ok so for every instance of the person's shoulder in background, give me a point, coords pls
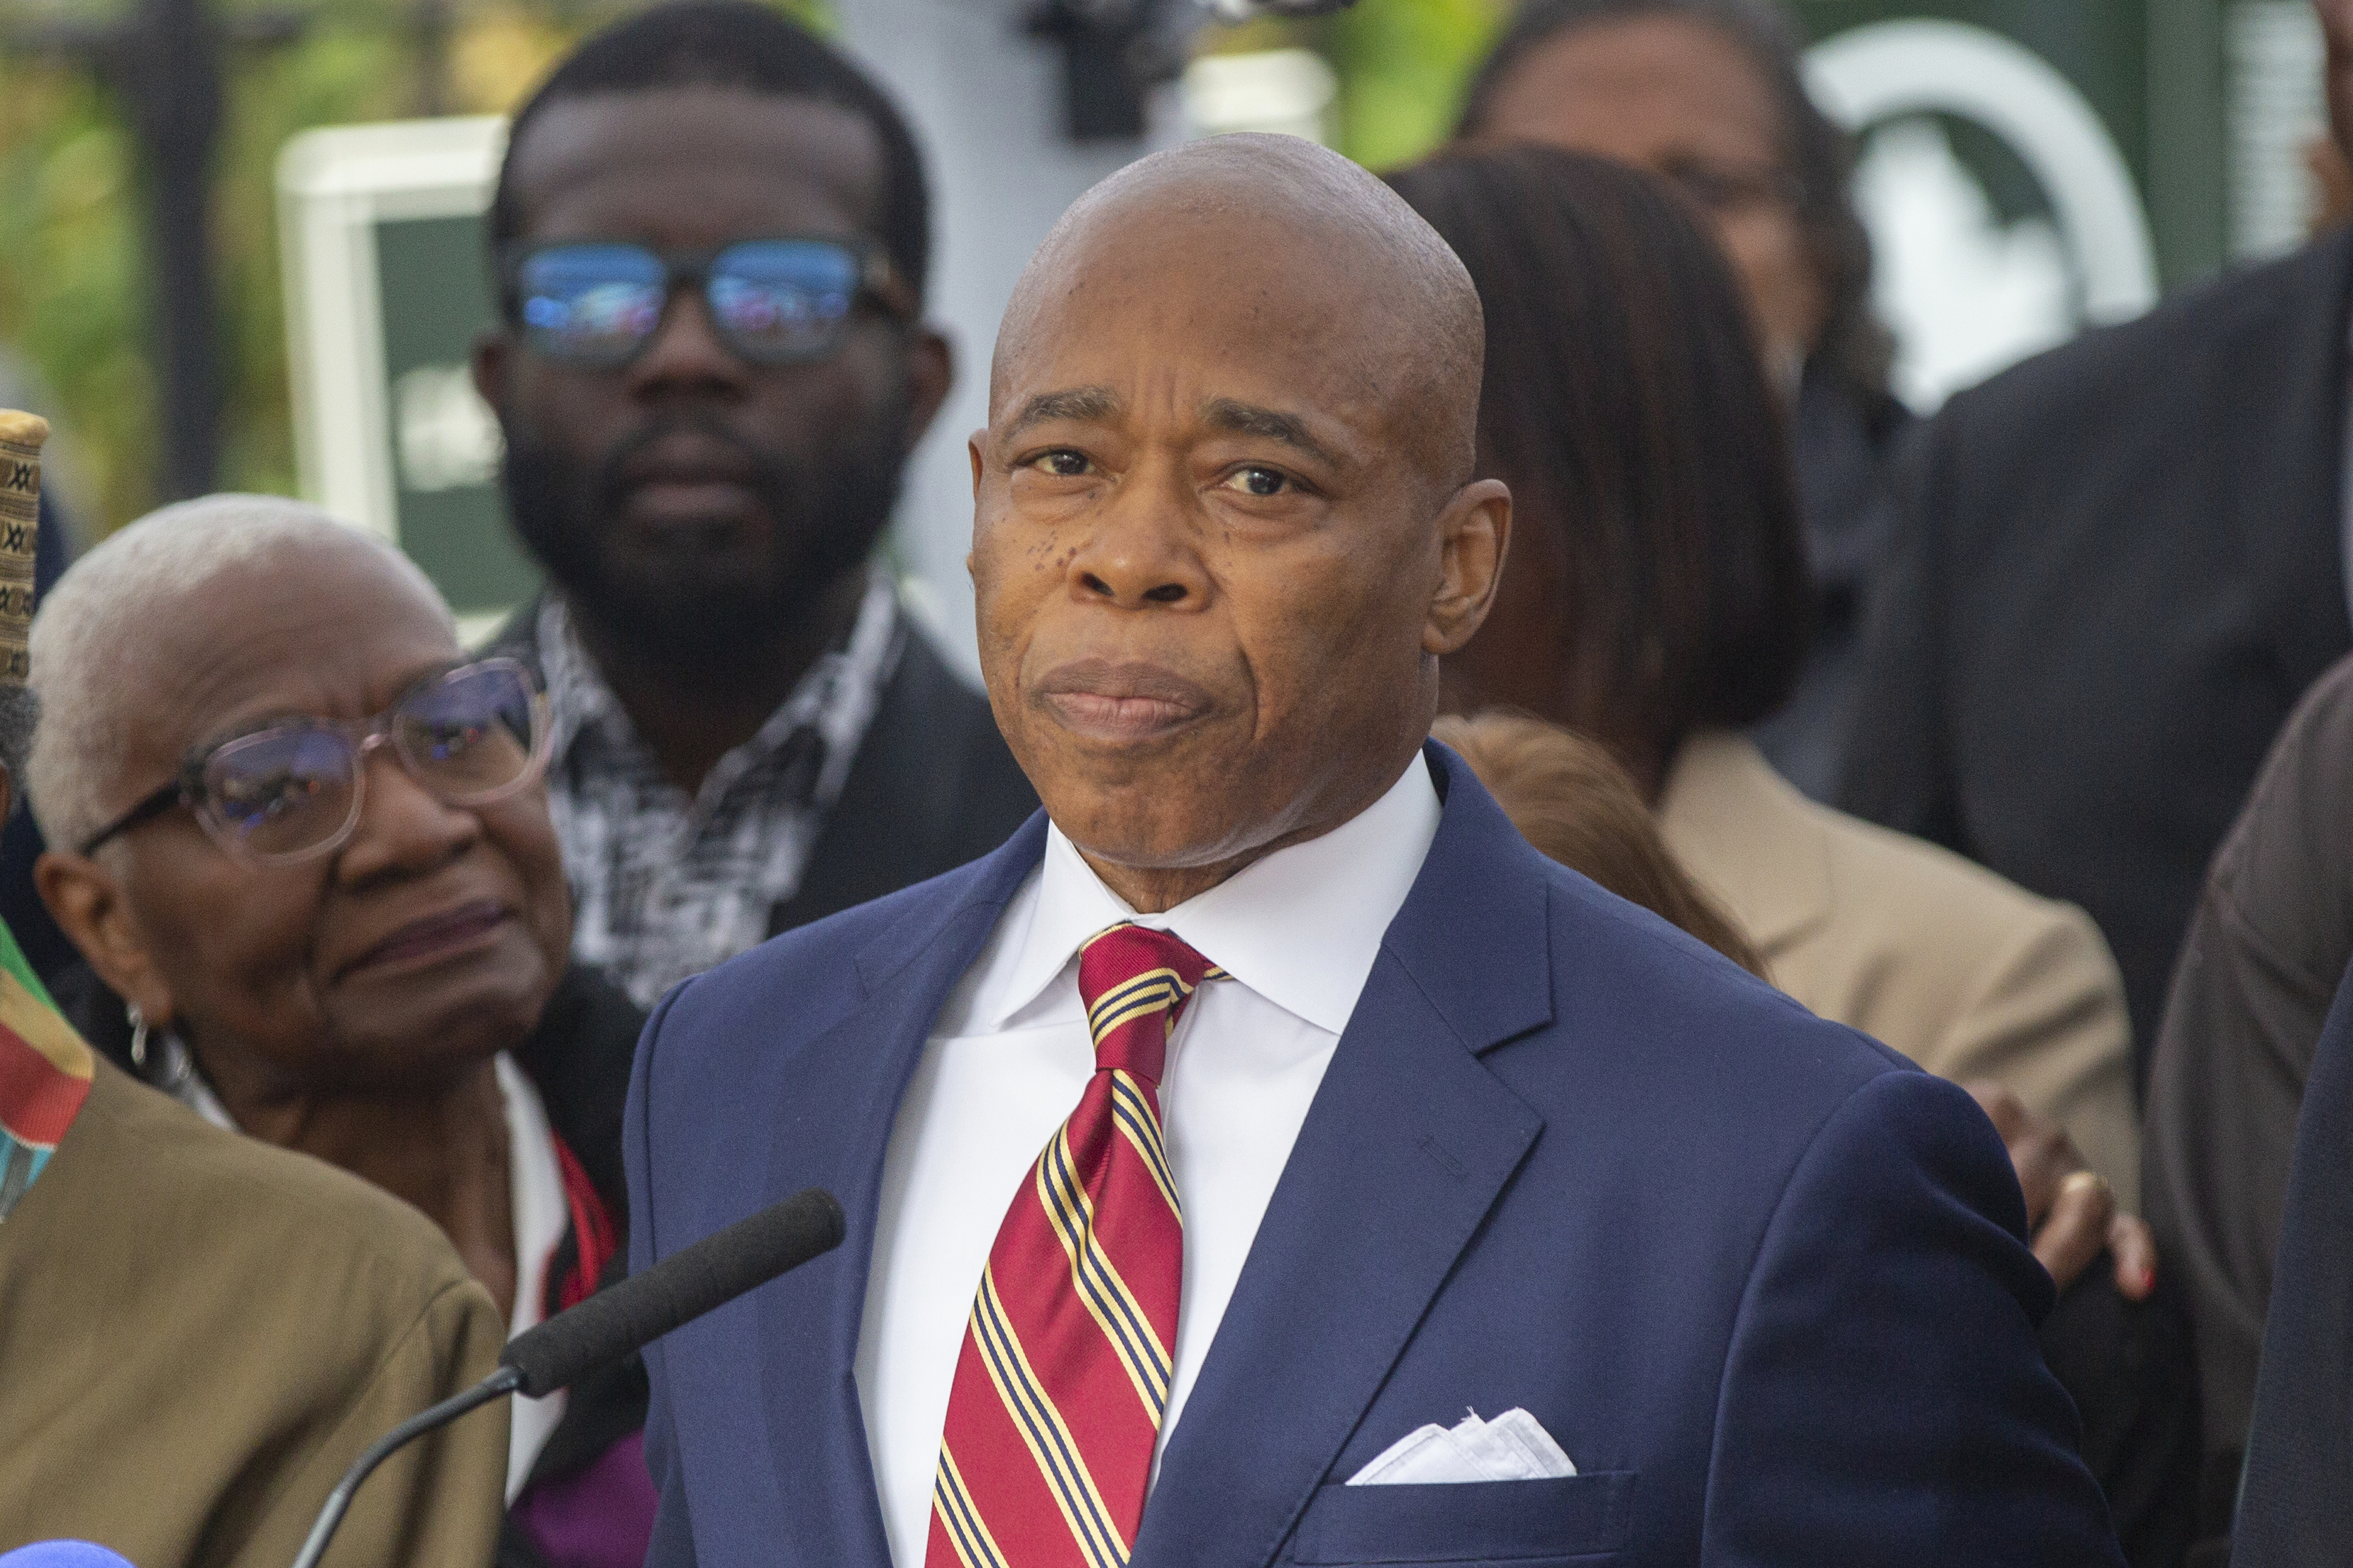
(991, 796)
(199, 1332)
(2094, 394)
(1569, 797)
(2279, 895)
(2293, 1506)
(1967, 974)
(2271, 935)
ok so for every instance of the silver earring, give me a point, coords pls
(137, 1035)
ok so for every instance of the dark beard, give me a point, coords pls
(705, 619)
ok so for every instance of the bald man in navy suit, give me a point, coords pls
(1266, 1156)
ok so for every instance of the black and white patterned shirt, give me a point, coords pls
(665, 886)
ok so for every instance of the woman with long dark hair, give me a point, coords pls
(1710, 96)
(1655, 599)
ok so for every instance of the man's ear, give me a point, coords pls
(91, 907)
(1474, 534)
(931, 372)
(493, 352)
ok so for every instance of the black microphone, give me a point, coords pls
(613, 1323)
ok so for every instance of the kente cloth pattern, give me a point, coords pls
(1066, 1363)
(665, 884)
(45, 1073)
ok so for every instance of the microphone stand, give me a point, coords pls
(615, 1323)
(506, 1380)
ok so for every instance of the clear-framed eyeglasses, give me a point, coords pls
(291, 790)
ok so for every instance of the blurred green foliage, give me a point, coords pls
(74, 292)
(1403, 65)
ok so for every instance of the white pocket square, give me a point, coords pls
(1513, 1446)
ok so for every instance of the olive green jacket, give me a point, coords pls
(199, 1332)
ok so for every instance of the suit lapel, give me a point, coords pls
(859, 1069)
(1405, 1148)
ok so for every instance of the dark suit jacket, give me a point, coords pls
(2120, 567)
(1764, 1282)
(933, 785)
(2295, 1506)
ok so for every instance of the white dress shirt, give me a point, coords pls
(541, 1214)
(1005, 1066)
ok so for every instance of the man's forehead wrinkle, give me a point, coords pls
(1082, 403)
(1241, 418)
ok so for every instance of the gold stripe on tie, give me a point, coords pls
(1104, 1294)
(1042, 1428)
(1137, 1124)
(966, 1531)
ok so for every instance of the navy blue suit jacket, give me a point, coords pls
(1763, 1280)
(2295, 1496)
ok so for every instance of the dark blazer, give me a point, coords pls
(1842, 443)
(1764, 1281)
(2296, 1505)
(2120, 567)
(933, 785)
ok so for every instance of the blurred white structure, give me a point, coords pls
(336, 186)
(1288, 91)
(445, 435)
(2275, 103)
(1966, 294)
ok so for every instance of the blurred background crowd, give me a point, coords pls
(145, 170)
(1928, 431)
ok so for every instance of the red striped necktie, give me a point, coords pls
(1067, 1360)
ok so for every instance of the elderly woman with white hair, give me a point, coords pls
(170, 1388)
(301, 836)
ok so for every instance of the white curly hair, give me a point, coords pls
(86, 647)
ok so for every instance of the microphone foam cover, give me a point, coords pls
(63, 1554)
(684, 1286)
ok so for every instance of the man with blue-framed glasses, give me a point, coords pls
(710, 242)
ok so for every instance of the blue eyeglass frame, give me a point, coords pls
(362, 735)
(872, 279)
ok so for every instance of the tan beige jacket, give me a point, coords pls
(199, 1332)
(1967, 975)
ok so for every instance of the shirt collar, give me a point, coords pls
(577, 698)
(580, 700)
(1301, 928)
